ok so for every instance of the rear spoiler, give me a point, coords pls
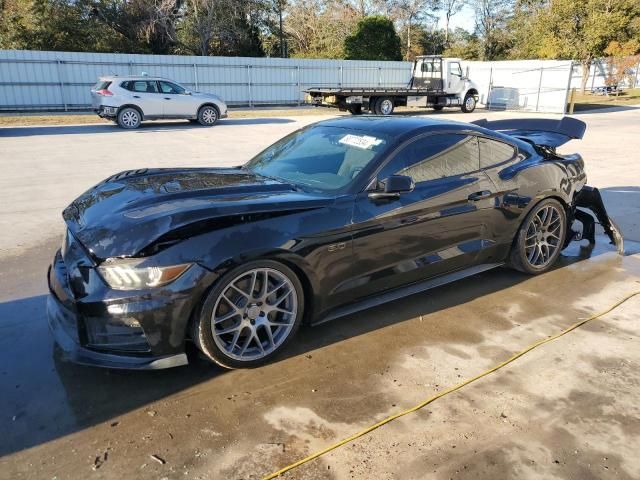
(540, 131)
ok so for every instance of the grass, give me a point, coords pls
(25, 120)
(588, 101)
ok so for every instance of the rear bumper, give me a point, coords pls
(106, 111)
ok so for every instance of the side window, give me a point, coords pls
(171, 88)
(438, 156)
(493, 152)
(455, 69)
(151, 86)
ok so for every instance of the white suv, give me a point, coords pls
(130, 100)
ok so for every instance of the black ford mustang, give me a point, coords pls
(338, 216)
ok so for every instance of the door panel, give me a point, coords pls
(144, 94)
(440, 226)
(175, 102)
(427, 232)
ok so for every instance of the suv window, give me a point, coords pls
(438, 156)
(171, 88)
(493, 152)
(140, 86)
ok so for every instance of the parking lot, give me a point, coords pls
(567, 410)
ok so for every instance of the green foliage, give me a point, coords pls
(375, 39)
(317, 28)
(463, 44)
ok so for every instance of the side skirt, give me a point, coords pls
(401, 292)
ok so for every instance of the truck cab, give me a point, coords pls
(444, 75)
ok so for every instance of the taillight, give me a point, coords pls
(104, 92)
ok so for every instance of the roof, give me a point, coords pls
(134, 77)
(395, 126)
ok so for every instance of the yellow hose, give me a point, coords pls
(447, 391)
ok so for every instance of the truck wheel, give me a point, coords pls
(372, 104)
(437, 108)
(469, 104)
(355, 109)
(384, 106)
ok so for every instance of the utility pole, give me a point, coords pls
(282, 50)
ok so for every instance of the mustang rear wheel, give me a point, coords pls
(251, 314)
(540, 238)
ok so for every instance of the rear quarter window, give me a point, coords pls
(101, 85)
(493, 152)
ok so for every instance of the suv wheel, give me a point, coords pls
(250, 315)
(129, 118)
(208, 116)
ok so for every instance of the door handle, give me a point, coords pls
(136, 96)
(474, 197)
(167, 98)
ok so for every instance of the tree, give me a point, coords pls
(463, 44)
(491, 21)
(410, 12)
(450, 8)
(375, 39)
(317, 28)
(621, 58)
(581, 30)
(221, 27)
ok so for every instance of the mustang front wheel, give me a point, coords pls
(250, 315)
(540, 238)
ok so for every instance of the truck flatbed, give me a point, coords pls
(436, 82)
(374, 91)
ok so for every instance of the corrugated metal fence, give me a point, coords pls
(33, 80)
(37, 81)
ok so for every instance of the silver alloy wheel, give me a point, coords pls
(543, 237)
(386, 106)
(254, 314)
(209, 115)
(130, 118)
(469, 103)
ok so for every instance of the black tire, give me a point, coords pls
(355, 109)
(129, 118)
(523, 256)
(469, 104)
(208, 115)
(372, 104)
(437, 108)
(385, 106)
(201, 331)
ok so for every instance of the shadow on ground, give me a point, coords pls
(46, 397)
(147, 127)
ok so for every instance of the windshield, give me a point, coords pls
(323, 158)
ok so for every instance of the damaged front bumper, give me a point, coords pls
(589, 198)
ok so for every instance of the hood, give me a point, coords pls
(209, 96)
(125, 213)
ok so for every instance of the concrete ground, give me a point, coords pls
(567, 410)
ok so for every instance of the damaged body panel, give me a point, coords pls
(331, 219)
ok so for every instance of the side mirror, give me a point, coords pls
(188, 92)
(393, 187)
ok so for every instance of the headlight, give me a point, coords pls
(128, 275)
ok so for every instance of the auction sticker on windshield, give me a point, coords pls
(365, 142)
